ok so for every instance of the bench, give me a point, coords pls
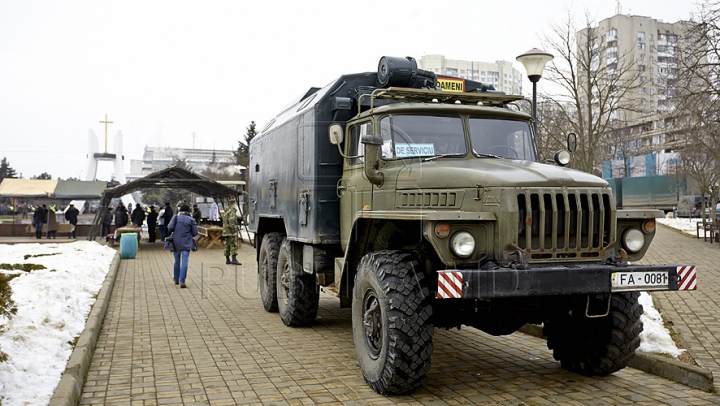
(708, 227)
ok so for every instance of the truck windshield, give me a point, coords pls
(501, 138)
(408, 136)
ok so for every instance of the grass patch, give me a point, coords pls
(7, 306)
(22, 267)
(26, 256)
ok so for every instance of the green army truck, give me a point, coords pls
(420, 202)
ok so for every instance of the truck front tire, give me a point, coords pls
(392, 326)
(598, 346)
(298, 295)
(267, 270)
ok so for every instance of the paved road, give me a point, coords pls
(213, 343)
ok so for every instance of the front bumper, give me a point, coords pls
(498, 283)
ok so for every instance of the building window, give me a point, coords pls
(641, 57)
(642, 79)
(641, 68)
(641, 35)
(641, 90)
(652, 91)
(651, 37)
(612, 34)
(652, 103)
(652, 69)
(641, 46)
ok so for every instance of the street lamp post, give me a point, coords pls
(534, 61)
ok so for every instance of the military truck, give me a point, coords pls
(420, 202)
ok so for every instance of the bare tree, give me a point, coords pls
(693, 93)
(596, 82)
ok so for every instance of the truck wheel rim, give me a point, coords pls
(264, 273)
(372, 324)
(285, 281)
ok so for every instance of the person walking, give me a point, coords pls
(230, 233)
(184, 228)
(52, 225)
(121, 216)
(71, 215)
(38, 220)
(152, 219)
(107, 223)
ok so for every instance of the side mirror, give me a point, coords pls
(562, 158)
(572, 142)
(336, 134)
(371, 139)
(372, 145)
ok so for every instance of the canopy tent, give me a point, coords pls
(52, 189)
(173, 177)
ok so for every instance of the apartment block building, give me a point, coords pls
(500, 74)
(647, 48)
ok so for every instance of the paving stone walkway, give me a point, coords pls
(694, 315)
(214, 344)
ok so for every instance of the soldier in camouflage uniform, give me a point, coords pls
(230, 233)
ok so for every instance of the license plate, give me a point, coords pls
(639, 280)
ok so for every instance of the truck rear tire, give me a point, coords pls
(392, 327)
(598, 346)
(297, 292)
(267, 270)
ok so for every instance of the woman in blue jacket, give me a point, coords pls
(184, 228)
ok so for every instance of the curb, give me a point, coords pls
(689, 375)
(70, 387)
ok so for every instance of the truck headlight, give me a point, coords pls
(462, 244)
(633, 240)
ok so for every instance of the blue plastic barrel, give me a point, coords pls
(128, 245)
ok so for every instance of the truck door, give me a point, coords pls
(354, 189)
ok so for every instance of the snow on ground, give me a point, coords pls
(685, 225)
(655, 337)
(52, 307)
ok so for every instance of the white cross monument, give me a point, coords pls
(94, 156)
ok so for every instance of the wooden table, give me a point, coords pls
(209, 236)
(126, 229)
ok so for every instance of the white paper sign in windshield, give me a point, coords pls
(411, 150)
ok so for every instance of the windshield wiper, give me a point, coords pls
(481, 155)
(430, 158)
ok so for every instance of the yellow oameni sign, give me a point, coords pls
(451, 85)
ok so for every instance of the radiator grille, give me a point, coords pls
(430, 199)
(565, 225)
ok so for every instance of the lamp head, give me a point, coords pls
(534, 61)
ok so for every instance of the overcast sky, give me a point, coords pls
(163, 70)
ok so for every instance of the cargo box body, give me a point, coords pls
(294, 169)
